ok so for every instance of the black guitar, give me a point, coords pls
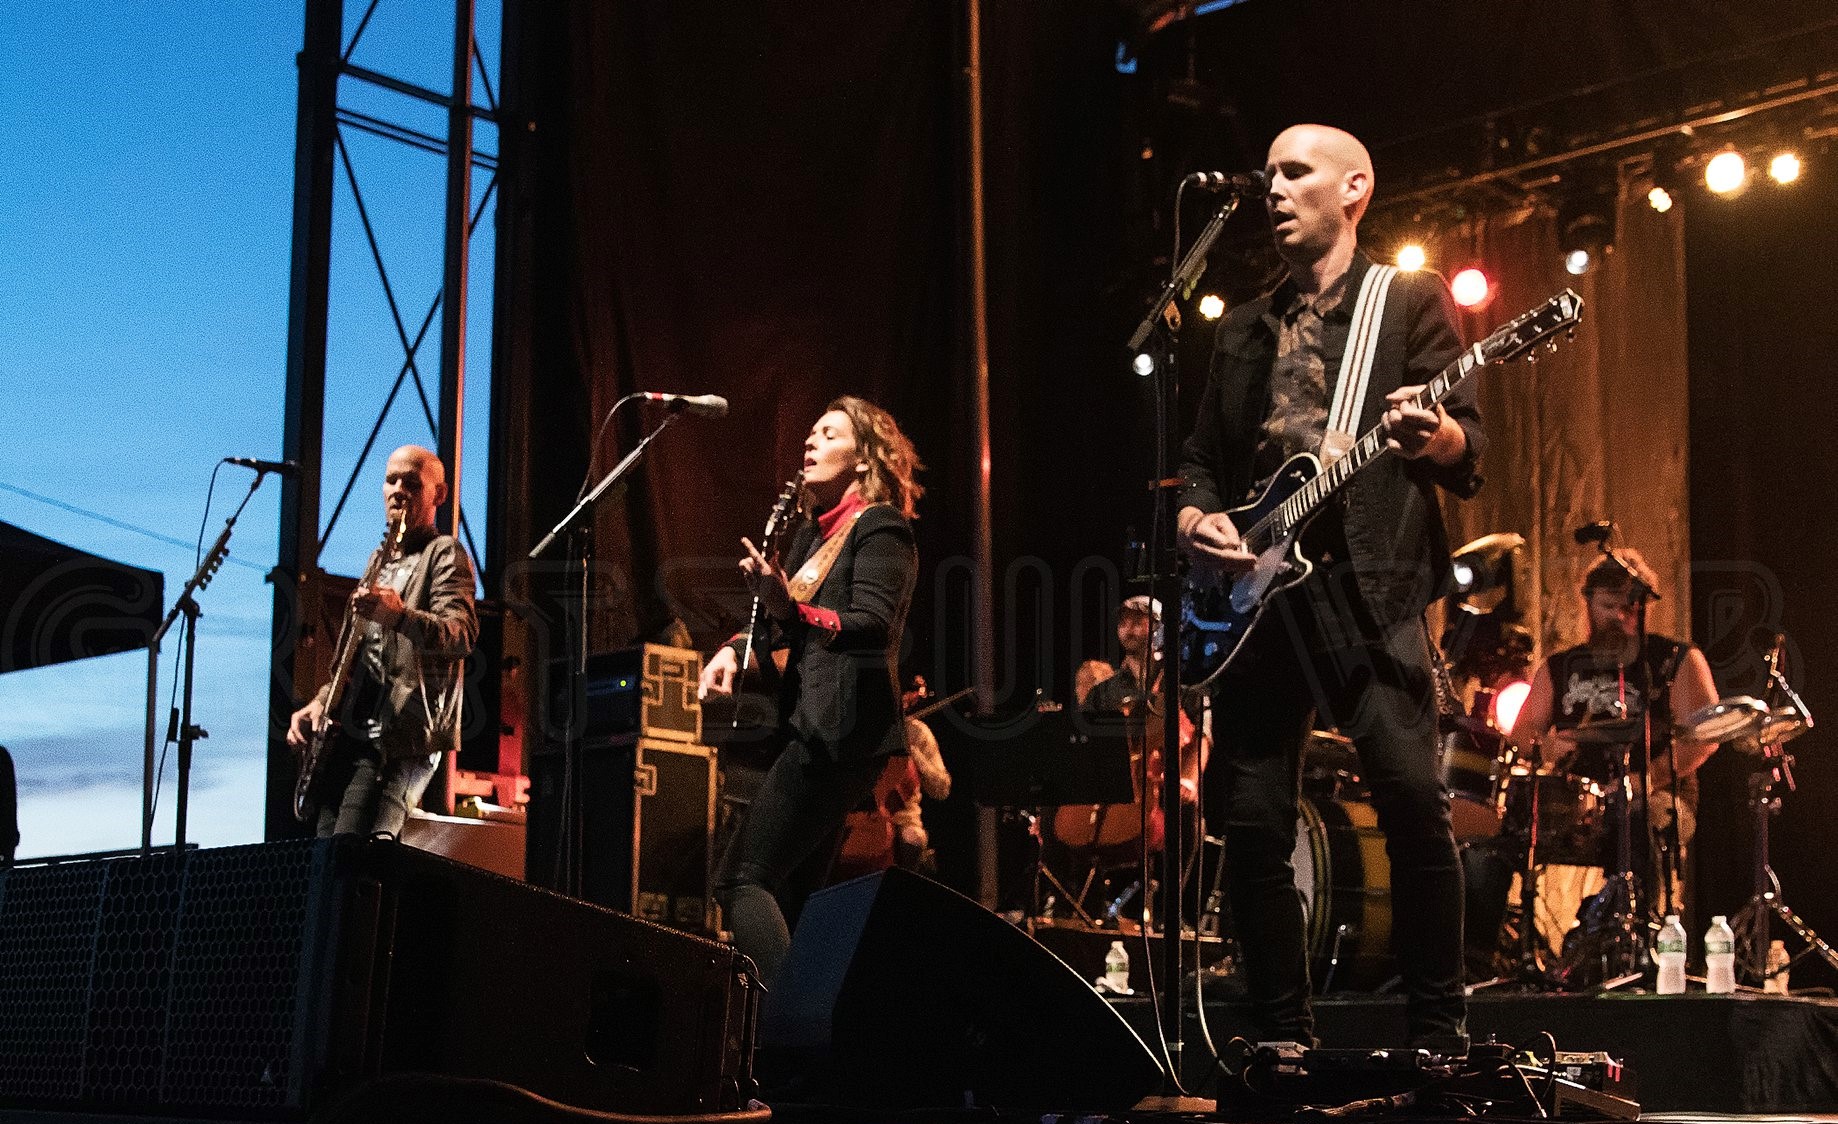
(314, 758)
(1216, 616)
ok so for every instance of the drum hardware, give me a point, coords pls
(1788, 720)
(1724, 720)
(1526, 970)
(1343, 874)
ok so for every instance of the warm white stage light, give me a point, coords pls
(1659, 199)
(1412, 258)
(1470, 287)
(1785, 167)
(1578, 262)
(1212, 306)
(1726, 172)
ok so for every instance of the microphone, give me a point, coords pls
(281, 468)
(701, 405)
(1249, 185)
(1593, 532)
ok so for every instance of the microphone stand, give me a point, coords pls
(1631, 937)
(1165, 582)
(179, 724)
(575, 526)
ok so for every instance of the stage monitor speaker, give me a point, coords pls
(277, 979)
(902, 993)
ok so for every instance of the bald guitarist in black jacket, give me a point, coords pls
(838, 607)
(1347, 646)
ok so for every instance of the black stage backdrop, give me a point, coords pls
(767, 203)
(1761, 271)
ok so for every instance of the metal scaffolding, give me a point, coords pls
(320, 154)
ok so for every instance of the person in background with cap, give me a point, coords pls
(1133, 684)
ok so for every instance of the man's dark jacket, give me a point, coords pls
(1394, 532)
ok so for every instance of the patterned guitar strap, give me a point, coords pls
(1356, 365)
(809, 578)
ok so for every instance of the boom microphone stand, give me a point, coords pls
(575, 526)
(1165, 579)
(179, 725)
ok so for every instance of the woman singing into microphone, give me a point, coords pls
(837, 605)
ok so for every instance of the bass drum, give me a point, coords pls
(1344, 877)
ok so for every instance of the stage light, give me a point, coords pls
(1585, 229)
(1659, 199)
(1212, 306)
(1508, 703)
(1470, 288)
(1784, 168)
(1482, 574)
(1143, 364)
(1726, 172)
(1412, 258)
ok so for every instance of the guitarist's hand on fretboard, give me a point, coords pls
(1412, 431)
(306, 722)
(1213, 542)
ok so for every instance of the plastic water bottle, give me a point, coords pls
(1117, 968)
(1720, 956)
(1776, 983)
(1669, 951)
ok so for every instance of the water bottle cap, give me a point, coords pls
(1719, 919)
(1671, 917)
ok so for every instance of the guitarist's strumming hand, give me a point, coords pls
(306, 722)
(768, 584)
(379, 603)
(1412, 432)
(718, 674)
(1213, 541)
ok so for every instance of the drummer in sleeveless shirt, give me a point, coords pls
(1607, 682)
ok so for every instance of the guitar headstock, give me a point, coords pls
(398, 530)
(1559, 314)
(782, 510)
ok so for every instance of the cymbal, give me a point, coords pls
(1735, 717)
(1784, 724)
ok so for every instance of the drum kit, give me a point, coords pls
(1511, 811)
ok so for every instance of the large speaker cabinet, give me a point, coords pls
(271, 980)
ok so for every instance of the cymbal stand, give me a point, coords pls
(1752, 919)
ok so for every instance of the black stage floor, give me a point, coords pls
(1692, 1053)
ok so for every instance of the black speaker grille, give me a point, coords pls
(161, 980)
(140, 905)
(239, 970)
(47, 942)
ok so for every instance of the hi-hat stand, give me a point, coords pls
(1787, 721)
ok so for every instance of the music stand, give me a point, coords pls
(1052, 758)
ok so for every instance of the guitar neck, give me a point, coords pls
(1300, 507)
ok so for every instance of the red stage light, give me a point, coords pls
(1506, 704)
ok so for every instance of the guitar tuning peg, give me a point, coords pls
(1550, 345)
(1531, 358)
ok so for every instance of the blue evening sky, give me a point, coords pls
(145, 230)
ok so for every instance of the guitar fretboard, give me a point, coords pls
(1296, 510)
